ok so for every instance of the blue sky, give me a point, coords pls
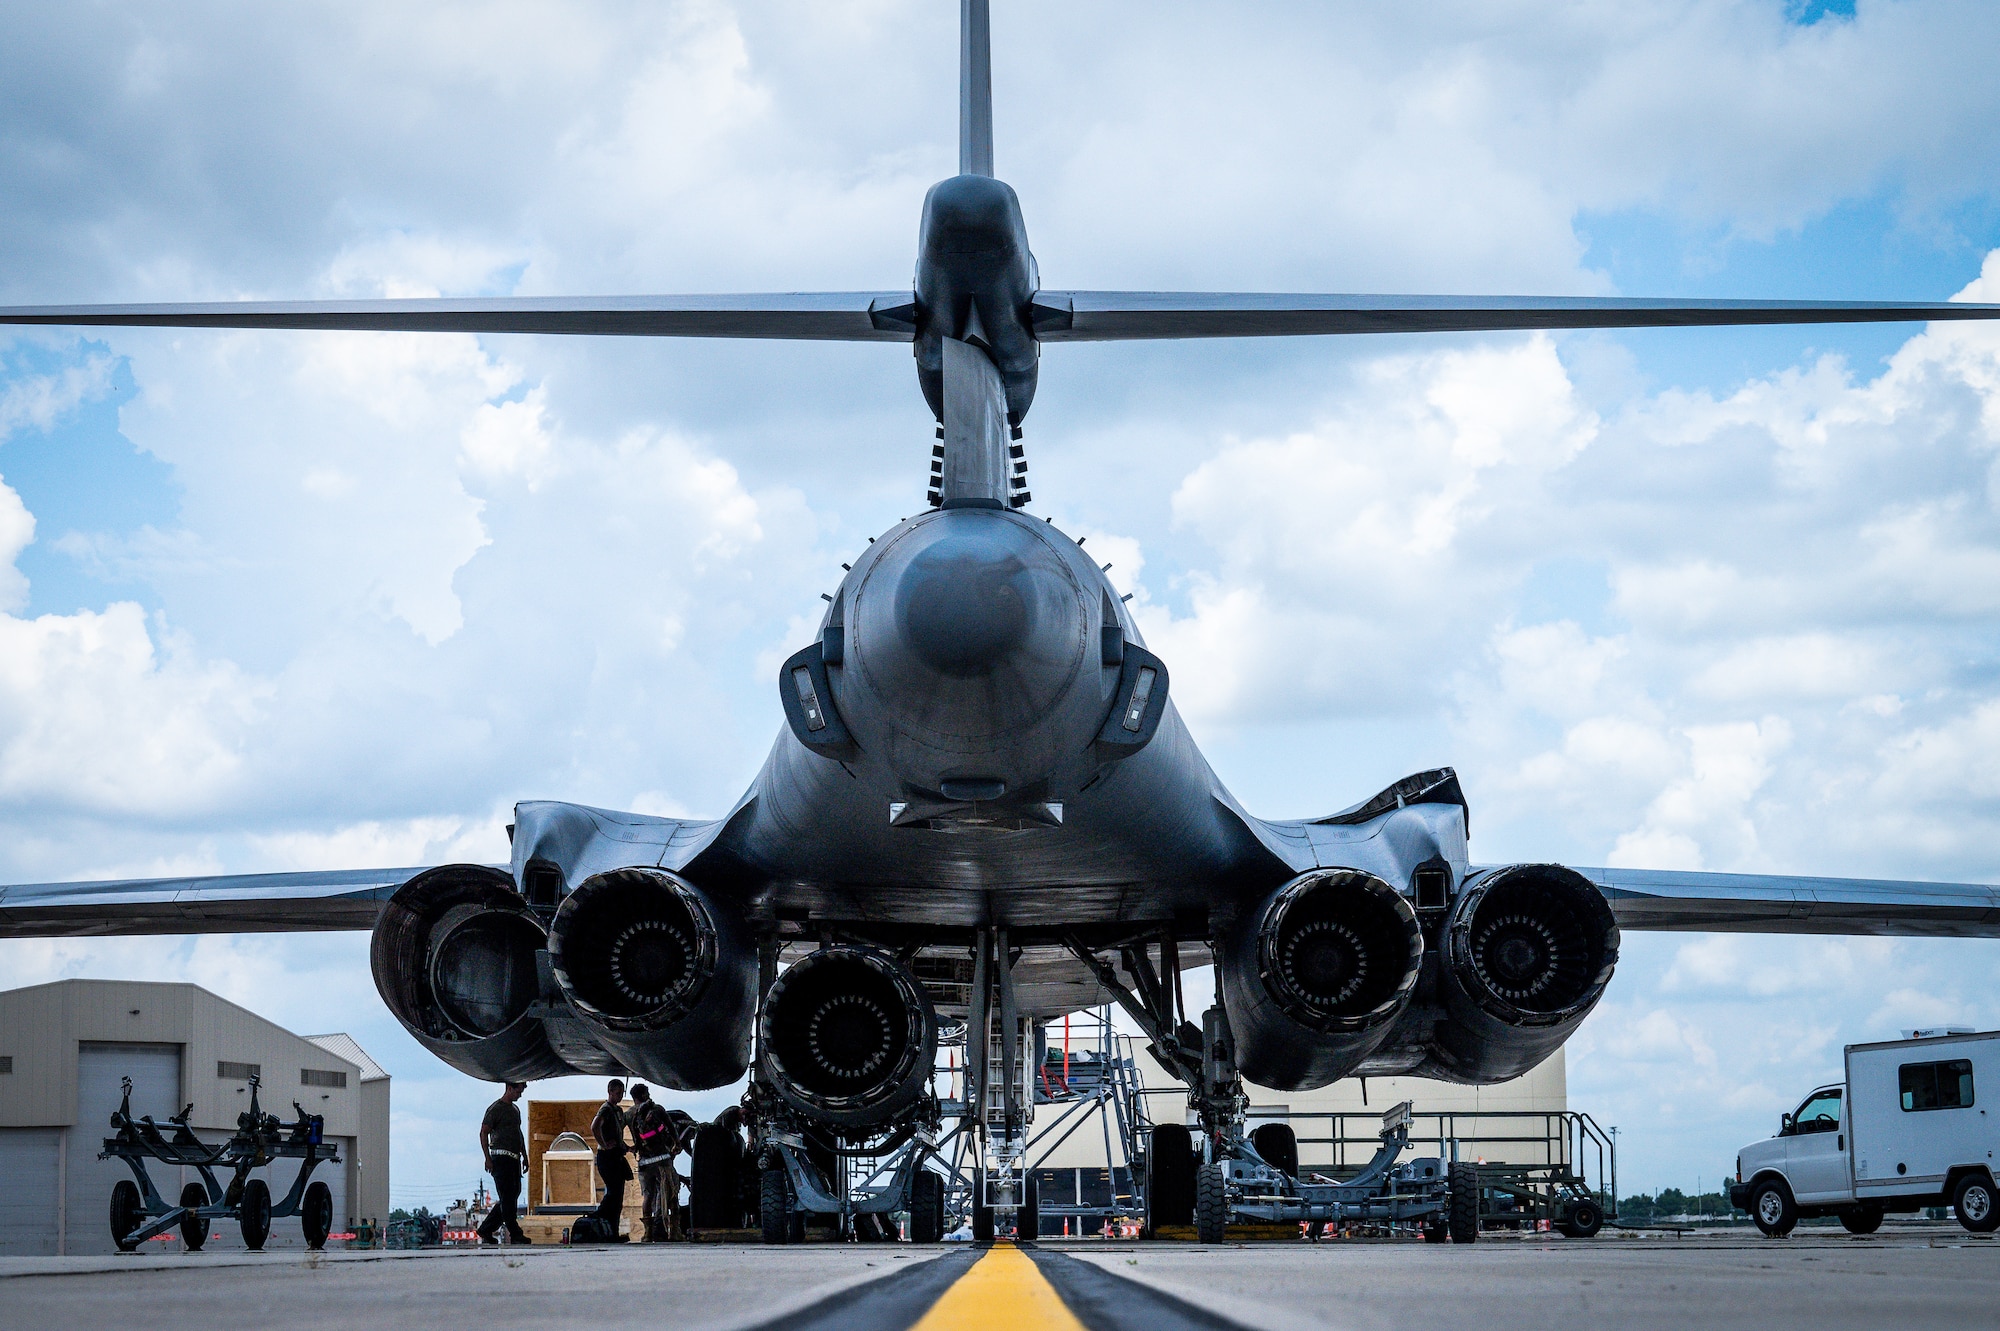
(1718, 599)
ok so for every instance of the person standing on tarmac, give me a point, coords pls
(506, 1152)
(656, 1138)
(609, 1130)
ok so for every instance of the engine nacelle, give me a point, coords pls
(849, 1036)
(453, 956)
(663, 978)
(1527, 952)
(1314, 981)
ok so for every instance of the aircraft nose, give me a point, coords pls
(968, 603)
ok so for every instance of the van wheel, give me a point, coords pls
(1974, 1203)
(1861, 1220)
(1772, 1207)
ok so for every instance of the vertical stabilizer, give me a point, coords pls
(975, 89)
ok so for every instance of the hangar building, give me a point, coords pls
(64, 1048)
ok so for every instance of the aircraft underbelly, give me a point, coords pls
(1151, 838)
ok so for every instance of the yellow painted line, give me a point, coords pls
(1001, 1292)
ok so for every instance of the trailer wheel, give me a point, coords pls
(774, 1205)
(1170, 1168)
(254, 1214)
(1211, 1203)
(1435, 1231)
(194, 1230)
(1973, 1202)
(1772, 1207)
(1861, 1219)
(926, 1208)
(1279, 1146)
(1581, 1220)
(127, 1213)
(316, 1214)
(1462, 1212)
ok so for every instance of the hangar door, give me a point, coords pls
(32, 1177)
(155, 1070)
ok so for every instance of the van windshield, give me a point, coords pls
(1820, 1112)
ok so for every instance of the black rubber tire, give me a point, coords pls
(1772, 1207)
(718, 1159)
(1211, 1204)
(1435, 1232)
(1976, 1204)
(1170, 1169)
(316, 1214)
(1861, 1219)
(1462, 1207)
(774, 1206)
(128, 1212)
(927, 1207)
(194, 1230)
(253, 1213)
(982, 1224)
(982, 1216)
(1582, 1220)
(1028, 1218)
(1279, 1146)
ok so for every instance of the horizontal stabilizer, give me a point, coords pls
(822, 316)
(1117, 316)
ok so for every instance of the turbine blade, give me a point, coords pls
(831, 316)
(1116, 316)
(975, 88)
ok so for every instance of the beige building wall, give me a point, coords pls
(42, 1027)
(1349, 1109)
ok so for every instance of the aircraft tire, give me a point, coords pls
(128, 1212)
(1861, 1219)
(926, 1208)
(1211, 1204)
(1974, 1203)
(1435, 1231)
(716, 1162)
(1028, 1219)
(774, 1206)
(1772, 1207)
(316, 1214)
(1170, 1169)
(982, 1216)
(194, 1230)
(1462, 1212)
(254, 1214)
(1279, 1146)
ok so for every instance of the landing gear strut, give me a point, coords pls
(1228, 1176)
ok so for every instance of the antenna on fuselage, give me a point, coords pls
(975, 89)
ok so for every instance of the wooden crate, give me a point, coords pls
(547, 1120)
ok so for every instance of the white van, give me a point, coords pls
(1906, 1131)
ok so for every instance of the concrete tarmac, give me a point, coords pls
(1828, 1280)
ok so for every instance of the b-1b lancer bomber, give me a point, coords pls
(984, 811)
